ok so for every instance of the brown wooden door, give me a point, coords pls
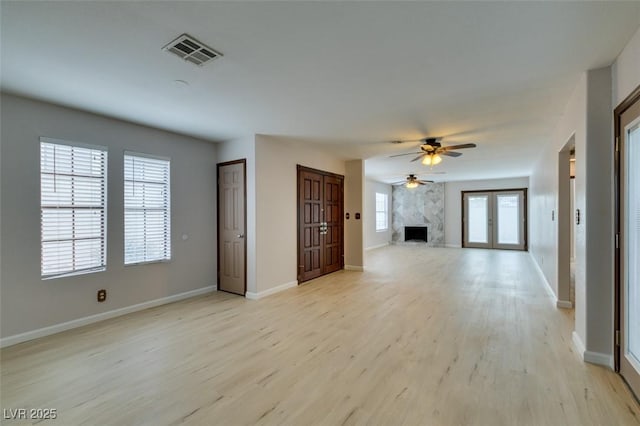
(310, 201)
(332, 213)
(320, 227)
(231, 227)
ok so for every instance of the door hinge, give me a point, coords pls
(617, 337)
(617, 144)
(617, 240)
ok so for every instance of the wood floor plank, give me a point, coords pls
(425, 336)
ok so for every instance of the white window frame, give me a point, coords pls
(74, 206)
(384, 203)
(166, 208)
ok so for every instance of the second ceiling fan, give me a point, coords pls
(431, 150)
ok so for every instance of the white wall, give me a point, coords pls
(29, 303)
(626, 70)
(276, 205)
(453, 203)
(588, 116)
(236, 150)
(373, 238)
(543, 196)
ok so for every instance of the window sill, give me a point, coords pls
(74, 273)
(382, 230)
(148, 262)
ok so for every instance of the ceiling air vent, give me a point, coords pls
(190, 49)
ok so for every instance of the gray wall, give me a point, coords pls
(373, 238)
(276, 206)
(453, 202)
(423, 205)
(599, 212)
(245, 148)
(28, 302)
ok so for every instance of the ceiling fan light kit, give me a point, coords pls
(431, 151)
(412, 181)
(431, 160)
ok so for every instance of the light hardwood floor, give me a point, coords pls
(423, 337)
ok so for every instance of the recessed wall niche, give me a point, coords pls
(417, 207)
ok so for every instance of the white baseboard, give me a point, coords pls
(564, 304)
(57, 328)
(599, 359)
(377, 246)
(453, 245)
(270, 291)
(579, 346)
(590, 356)
(353, 268)
(547, 286)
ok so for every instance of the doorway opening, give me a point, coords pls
(567, 220)
(495, 219)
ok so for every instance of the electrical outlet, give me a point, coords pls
(102, 295)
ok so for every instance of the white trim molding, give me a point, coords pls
(564, 304)
(577, 343)
(547, 286)
(599, 359)
(57, 328)
(268, 292)
(353, 268)
(590, 356)
(377, 246)
(453, 246)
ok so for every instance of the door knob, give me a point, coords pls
(240, 235)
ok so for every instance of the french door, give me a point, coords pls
(628, 256)
(494, 219)
(320, 226)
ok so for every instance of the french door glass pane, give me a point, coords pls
(632, 261)
(508, 219)
(478, 212)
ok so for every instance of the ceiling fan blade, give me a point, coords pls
(401, 141)
(461, 146)
(424, 182)
(418, 157)
(419, 182)
(401, 155)
(450, 154)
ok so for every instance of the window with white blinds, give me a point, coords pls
(73, 199)
(382, 212)
(147, 213)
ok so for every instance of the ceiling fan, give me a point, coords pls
(412, 181)
(431, 150)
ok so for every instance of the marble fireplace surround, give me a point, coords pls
(421, 206)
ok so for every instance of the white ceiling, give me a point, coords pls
(348, 74)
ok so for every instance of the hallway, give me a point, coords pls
(425, 336)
